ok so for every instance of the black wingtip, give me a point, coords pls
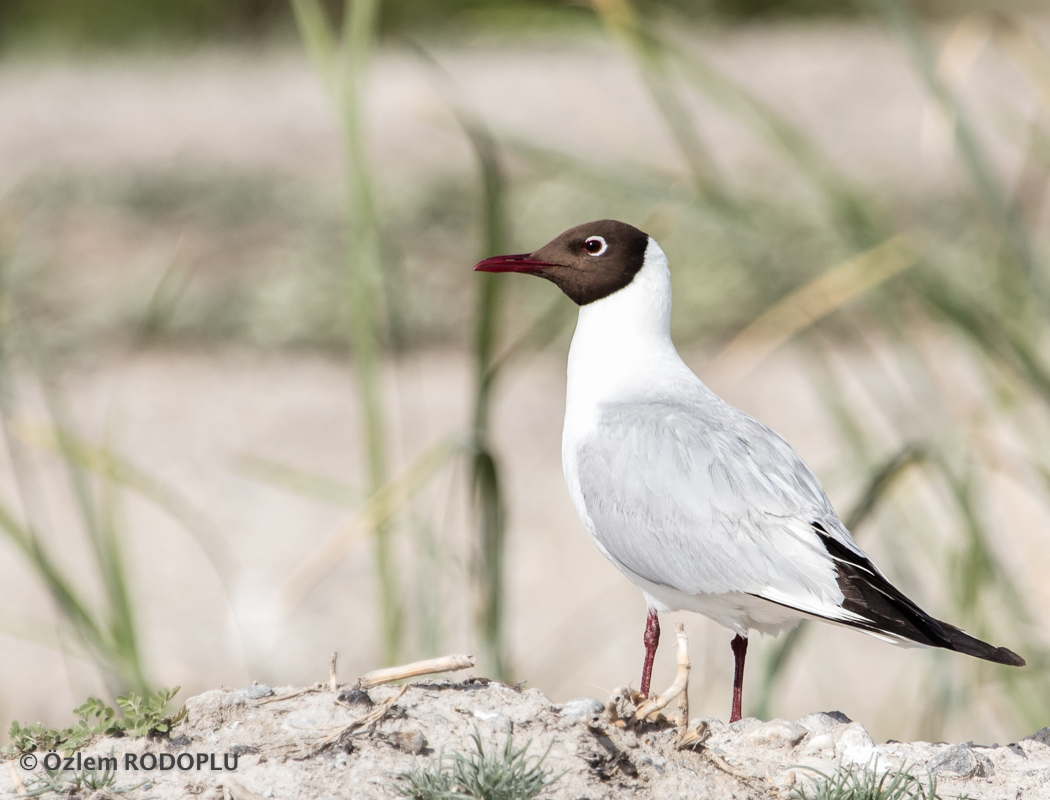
(962, 642)
(883, 608)
(1010, 658)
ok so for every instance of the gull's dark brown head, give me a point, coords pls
(588, 262)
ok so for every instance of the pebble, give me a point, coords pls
(413, 742)
(1042, 736)
(256, 691)
(583, 709)
(960, 761)
(819, 743)
(855, 745)
(775, 733)
(655, 763)
(823, 720)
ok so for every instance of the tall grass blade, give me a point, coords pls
(115, 469)
(622, 22)
(343, 60)
(484, 466)
(814, 301)
(978, 164)
(108, 635)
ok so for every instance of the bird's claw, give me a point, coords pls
(618, 710)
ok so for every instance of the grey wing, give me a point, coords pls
(704, 499)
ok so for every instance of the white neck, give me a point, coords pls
(622, 346)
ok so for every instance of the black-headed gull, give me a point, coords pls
(701, 506)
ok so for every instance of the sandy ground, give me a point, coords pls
(250, 744)
(574, 624)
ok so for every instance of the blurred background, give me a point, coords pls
(256, 407)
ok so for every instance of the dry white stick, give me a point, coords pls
(333, 680)
(683, 708)
(16, 779)
(428, 667)
(681, 680)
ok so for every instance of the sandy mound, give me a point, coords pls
(315, 743)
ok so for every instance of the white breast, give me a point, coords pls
(621, 349)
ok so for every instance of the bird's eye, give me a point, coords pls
(595, 245)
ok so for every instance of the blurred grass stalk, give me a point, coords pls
(343, 62)
(342, 59)
(485, 472)
(486, 484)
(108, 634)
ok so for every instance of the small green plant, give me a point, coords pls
(507, 774)
(146, 717)
(141, 717)
(864, 782)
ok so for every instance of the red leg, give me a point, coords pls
(651, 639)
(739, 645)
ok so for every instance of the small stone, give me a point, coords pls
(775, 733)
(1017, 750)
(742, 726)
(958, 761)
(412, 742)
(823, 720)
(985, 767)
(355, 697)
(583, 709)
(819, 743)
(1041, 736)
(256, 691)
(656, 763)
(855, 745)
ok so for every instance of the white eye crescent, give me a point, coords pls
(595, 245)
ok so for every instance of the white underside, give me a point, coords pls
(740, 612)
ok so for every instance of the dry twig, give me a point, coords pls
(369, 720)
(16, 779)
(692, 738)
(415, 669)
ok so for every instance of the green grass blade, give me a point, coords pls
(344, 66)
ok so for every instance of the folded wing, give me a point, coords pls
(695, 495)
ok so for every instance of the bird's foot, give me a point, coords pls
(649, 710)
